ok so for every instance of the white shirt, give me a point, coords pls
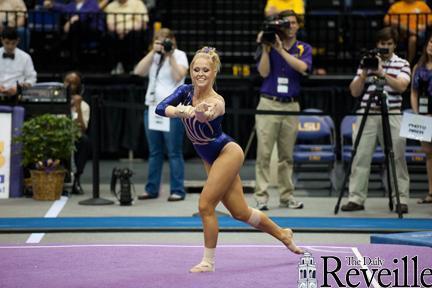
(164, 84)
(85, 110)
(19, 69)
(397, 68)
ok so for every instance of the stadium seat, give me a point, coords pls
(315, 147)
(43, 20)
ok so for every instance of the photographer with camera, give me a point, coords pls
(381, 68)
(166, 67)
(282, 63)
(421, 102)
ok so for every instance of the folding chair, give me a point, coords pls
(315, 148)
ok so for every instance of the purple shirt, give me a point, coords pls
(423, 78)
(279, 68)
(89, 7)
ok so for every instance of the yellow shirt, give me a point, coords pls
(126, 16)
(276, 6)
(413, 22)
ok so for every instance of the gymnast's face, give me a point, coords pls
(203, 72)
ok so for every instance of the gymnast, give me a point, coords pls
(201, 110)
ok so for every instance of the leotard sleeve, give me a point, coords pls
(177, 97)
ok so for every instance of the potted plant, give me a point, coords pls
(47, 141)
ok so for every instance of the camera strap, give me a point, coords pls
(153, 87)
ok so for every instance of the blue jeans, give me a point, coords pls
(157, 142)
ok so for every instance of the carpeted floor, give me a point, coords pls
(237, 266)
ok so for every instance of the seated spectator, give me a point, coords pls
(403, 16)
(81, 115)
(84, 24)
(13, 14)
(16, 66)
(274, 7)
(127, 21)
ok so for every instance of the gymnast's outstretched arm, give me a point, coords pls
(172, 106)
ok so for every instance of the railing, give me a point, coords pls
(338, 40)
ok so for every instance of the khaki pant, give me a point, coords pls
(282, 131)
(359, 178)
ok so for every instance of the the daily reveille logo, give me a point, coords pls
(363, 272)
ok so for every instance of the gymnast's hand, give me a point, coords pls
(204, 111)
(184, 111)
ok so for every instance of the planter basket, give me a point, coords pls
(47, 186)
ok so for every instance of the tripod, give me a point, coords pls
(381, 98)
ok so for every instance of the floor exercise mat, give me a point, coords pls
(53, 266)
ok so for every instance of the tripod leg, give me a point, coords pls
(388, 174)
(249, 143)
(389, 154)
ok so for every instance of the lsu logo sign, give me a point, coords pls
(310, 126)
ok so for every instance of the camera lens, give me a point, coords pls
(167, 45)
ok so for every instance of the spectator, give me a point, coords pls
(167, 67)
(13, 14)
(422, 86)
(282, 65)
(403, 15)
(80, 114)
(84, 24)
(396, 73)
(127, 21)
(274, 7)
(16, 66)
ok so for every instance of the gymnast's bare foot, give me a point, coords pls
(287, 239)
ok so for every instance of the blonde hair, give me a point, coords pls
(209, 53)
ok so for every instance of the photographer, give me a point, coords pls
(282, 63)
(422, 88)
(166, 67)
(80, 111)
(381, 67)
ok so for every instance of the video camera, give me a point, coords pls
(370, 59)
(273, 26)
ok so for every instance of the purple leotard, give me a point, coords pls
(207, 138)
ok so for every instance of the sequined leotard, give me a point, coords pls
(207, 138)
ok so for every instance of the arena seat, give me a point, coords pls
(315, 148)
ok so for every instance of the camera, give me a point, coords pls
(125, 194)
(271, 27)
(370, 60)
(167, 45)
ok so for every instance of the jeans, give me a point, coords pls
(158, 141)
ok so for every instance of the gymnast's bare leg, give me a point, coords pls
(224, 184)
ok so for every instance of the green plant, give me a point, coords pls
(46, 138)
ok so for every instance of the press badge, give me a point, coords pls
(282, 86)
(156, 122)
